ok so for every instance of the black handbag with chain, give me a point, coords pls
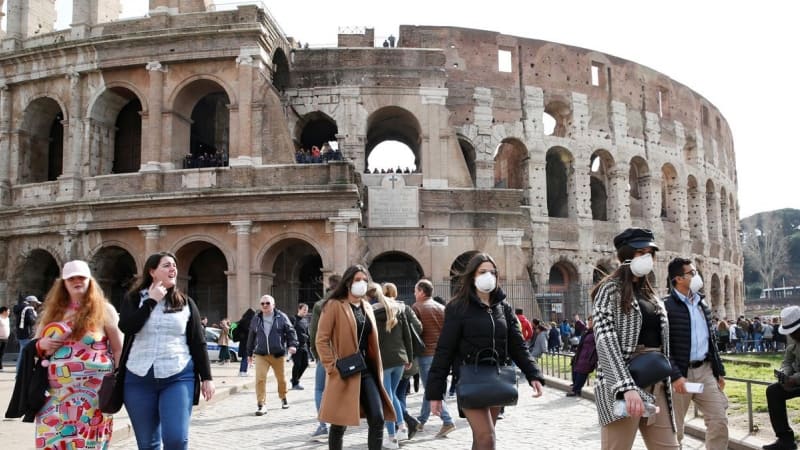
(486, 382)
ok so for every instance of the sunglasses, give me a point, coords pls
(265, 304)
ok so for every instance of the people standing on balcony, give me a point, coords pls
(168, 366)
(478, 318)
(79, 337)
(630, 319)
(788, 384)
(694, 354)
(346, 328)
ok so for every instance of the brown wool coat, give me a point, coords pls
(336, 336)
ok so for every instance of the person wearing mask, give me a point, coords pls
(321, 433)
(78, 333)
(788, 384)
(694, 354)
(300, 358)
(397, 353)
(478, 318)
(630, 319)
(346, 327)
(168, 366)
(271, 336)
(5, 332)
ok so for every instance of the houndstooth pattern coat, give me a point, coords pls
(616, 337)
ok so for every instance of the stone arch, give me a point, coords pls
(314, 129)
(601, 269)
(201, 121)
(115, 136)
(280, 70)
(36, 274)
(724, 214)
(639, 181)
(559, 113)
(393, 123)
(559, 170)
(41, 140)
(711, 211)
(564, 280)
(203, 273)
(399, 268)
(696, 205)
(511, 165)
(716, 294)
(291, 271)
(670, 203)
(115, 270)
(468, 151)
(600, 165)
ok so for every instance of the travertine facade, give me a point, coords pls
(96, 123)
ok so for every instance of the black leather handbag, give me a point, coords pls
(486, 382)
(351, 365)
(649, 368)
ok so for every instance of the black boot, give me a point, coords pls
(336, 437)
(781, 444)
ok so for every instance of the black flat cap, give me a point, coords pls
(636, 238)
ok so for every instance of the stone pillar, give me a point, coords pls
(151, 152)
(70, 179)
(434, 149)
(510, 240)
(619, 209)
(5, 145)
(243, 228)
(581, 194)
(484, 144)
(180, 6)
(439, 266)
(69, 244)
(241, 154)
(152, 233)
(26, 18)
(340, 256)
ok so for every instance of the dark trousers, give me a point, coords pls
(3, 343)
(578, 380)
(402, 393)
(299, 365)
(776, 404)
(373, 408)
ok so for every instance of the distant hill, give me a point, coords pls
(790, 220)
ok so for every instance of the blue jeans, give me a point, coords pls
(757, 338)
(391, 378)
(22, 344)
(425, 412)
(160, 408)
(243, 364)
(319, 385)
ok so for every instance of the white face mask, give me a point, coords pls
(696, 284)
(485, 282)
(642, 265)
(358, 288)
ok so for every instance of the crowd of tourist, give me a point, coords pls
(316, 155)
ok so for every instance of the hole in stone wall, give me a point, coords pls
(391, 156)
(504, 61)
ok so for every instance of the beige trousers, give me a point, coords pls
(263, 363)
(657, 433)
(712, 403)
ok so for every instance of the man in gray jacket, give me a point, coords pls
(271, 332)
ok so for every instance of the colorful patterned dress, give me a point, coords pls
(71, 418)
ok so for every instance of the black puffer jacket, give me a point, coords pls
(474, 327)
(680, 337)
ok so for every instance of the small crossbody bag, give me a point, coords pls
(352, 364)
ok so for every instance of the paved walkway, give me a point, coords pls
(552, 421)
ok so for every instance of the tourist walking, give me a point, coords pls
(240, 334)
(347, 329)
(584, 361)
(300, 358)
(630, 320)
(477, 319)
(167, 367)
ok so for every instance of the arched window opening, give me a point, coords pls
(55, 148)
(393, 123)
(207, 280)
(558, 169)
(669, 193)
(208, 143)
(468, 151)
(556, 119)
(391, 157)
(317, 139)
(115, 269)
(638, 179)
(510, 165)
(280, 74)
(41, 142)
(128, 138)
(297, 278)
(599, 167)
(37, 273)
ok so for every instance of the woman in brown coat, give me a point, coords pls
(347, 326)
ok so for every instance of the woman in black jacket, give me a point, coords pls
(478, 318)
(167, 365)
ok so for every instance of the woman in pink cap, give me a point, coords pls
(78, 333)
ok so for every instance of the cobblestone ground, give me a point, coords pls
(552, 421)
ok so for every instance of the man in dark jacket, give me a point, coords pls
(25, 313)
(300, 358)
(788, 383)
(271, 332)
(697, 371)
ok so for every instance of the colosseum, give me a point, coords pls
(184, 131)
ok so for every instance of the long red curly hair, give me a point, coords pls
(90, 316)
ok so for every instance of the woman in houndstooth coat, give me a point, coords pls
(629, 318)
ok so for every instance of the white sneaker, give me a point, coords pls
(390, 442)
(402, 435)
(242, 374)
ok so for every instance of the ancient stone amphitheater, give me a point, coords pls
(178, 131)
